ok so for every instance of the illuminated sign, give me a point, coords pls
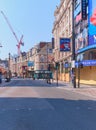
(87, 63)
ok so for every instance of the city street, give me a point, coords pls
(48, 65)
(27, 104)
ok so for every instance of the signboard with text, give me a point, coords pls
(30, 63)
(87, 63)
(64, 44)
(84, 9)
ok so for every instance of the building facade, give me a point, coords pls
(85, 40)
(43, 56)
(62, 28)
(37, 58)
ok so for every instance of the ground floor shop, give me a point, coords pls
(86, 74)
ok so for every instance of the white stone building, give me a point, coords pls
(62, 28)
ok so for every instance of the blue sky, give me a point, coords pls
(32, 18)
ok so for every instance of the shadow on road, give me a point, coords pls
(47, 114)
(31, 83)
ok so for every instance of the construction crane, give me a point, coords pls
(19, 41)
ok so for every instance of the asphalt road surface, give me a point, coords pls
(27, 104)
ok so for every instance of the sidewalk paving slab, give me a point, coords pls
(87, 90)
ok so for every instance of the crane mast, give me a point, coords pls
(18, 41)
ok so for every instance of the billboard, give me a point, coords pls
(65, 44)
(92, 22)
(81, 39)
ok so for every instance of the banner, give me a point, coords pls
(92, 21)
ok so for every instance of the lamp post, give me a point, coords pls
(47, 63)
(15, 66)
(9, 72)
(73, 46)
(79, 74)
(47, 56)
(9, 63)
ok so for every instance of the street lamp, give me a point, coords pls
(47, 61)
(47, 56)
(15, 66)
(48, 65)
(9, 72)
(9, 63)
(73, 46)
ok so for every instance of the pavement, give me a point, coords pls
(87, 90)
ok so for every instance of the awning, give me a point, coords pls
(86, 48)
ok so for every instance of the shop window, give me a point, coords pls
(66, 70)
(42, 67)
(90, 57)
(94, 55)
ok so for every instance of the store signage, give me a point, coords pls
(64, 44)
(67, 65)
(30, 63)
(83, 9)
(87, 63)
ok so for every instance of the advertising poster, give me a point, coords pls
(92, 21)
(64, 44)
(81, 39)
(81, 29)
